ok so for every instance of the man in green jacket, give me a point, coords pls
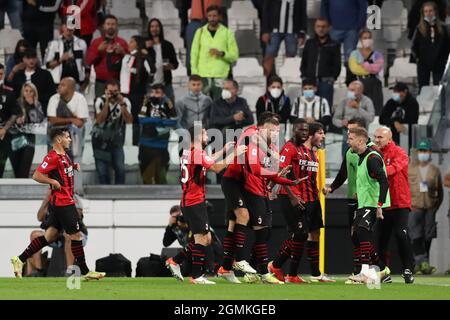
(213, 51)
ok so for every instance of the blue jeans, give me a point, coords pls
(326, 90)
(190, 33)
(290, 41)
(118, 164)
(14, 10)
(349, 38)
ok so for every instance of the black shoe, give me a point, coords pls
(408, 276)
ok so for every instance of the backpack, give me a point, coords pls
(115, 265)
(152, 266)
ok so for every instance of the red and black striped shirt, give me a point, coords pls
(308, 165)
(60, 168)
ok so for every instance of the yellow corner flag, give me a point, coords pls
(321, 181)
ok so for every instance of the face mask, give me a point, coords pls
(430, 20)
(351, 95)
(367, 43)
(423, 157)
(309, 94)
(276, 93)
(226, 94)
(155, 100)
(1, 82)
(396, 97)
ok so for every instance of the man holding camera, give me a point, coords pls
(112, 111)
(97, 53)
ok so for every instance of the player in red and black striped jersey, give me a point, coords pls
(194, 163)
(292, 207)
(57, 170)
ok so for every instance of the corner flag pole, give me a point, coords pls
(321, 181)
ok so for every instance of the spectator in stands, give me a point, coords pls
(214, 49)
(65, 57)
(230, 111)
(427, 194)
(112, 112)
(198, 17)
(431, 46)
(157, 117)
(38, 19)
(70, 108)
(35, 267)
(311, 107)
(14, 10)
(400, 112)
(274, 100)
(23, 138)
(282, 20)
(195, 106)
(88, 16)
(8, 115)
(41, 78)
(322, 60)
(136, 73)
(97, 53)
(415, 13)
(366, 64)
(347, 18)
(15, 62)
(356, 104)
(164, 55)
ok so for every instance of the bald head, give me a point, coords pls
(383, 136)
(67, 88)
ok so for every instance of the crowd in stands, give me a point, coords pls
(133, 83)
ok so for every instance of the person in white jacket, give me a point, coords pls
(65, 57)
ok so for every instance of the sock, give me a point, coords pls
(228, 250)
(181, 256)
(34, 246)
(427, 247)
(78, 253)
(283, 253)
(365, 245)
(261, 250)
(198, 260)
(239, 237)
(375, 258)
(312, 250)
(356, 260)
(297, 246)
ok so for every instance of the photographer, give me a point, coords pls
(112, 111)
(400, 112)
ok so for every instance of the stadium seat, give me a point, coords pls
(404, 70)
(243, 15)
(427, 97)
(293, 91)
(248, 43)
(164, 11)
(251, 94)
(313, 9)
(125, 11)
(8, 39)
(248, 70)
(290, 71)
(128, 33)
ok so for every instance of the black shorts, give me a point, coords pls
(295, 217)
(313, 215)
(258, 209)
(365, 218)
(64, 218)
(232, 190)
(197, 218)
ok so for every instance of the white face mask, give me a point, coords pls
(226, 94)
(1, 82)
(367, 43)
(275, 92)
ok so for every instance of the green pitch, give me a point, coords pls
(168, 288)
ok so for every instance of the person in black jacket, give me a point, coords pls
(38, 17)
(274, 100)
(163, 53)
(279, 24)
(431, 46)
(322, 60)
(415, 14)
(41, 78)
(400, 112)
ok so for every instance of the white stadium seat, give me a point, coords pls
(8, 39)
(290, 70)
(247, 67)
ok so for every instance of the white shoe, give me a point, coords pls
(322, 278)
(17, 266)
(243, 266)
(174, 269)
(228, 275)
(200, 280)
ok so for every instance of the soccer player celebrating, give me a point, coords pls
(292, 208)
(57, 171)
(257, 173)
(194, 163)
(372, 193)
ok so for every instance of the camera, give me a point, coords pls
(181, 219)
